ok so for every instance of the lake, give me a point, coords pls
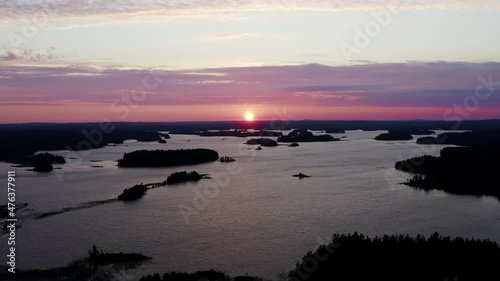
(261, 223)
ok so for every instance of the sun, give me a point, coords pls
(249, 116)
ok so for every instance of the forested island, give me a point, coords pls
(304, 135)
(137, 191)
(475, 138)
(98, 265)
(458, 170)
(262, 142)
(394, 136)
(133, 193)
(226, 159)
(181, 177)
(167, 158)
(40, 162)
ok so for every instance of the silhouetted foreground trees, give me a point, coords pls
(399, 257)
(165, 158)
(98, 266)
(356, 257)
(304, 135)
(347, 257)
(208, 275)
(458, 170)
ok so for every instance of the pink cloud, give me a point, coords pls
(420, 90)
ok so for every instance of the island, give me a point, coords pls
(43, 167)
(133, 193)
(457, 170)
(41, 162)
(303, 135)
(20, 143)
(301, 176)
(226, 159)
(475, 138)
(394, 136)
(262, 142)
(167, 158)
(98, 265)
(164, 135)
(181, 177)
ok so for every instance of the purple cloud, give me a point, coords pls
(406, 84)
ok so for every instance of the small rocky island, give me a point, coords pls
(167, 158)
(301, 176)
(262, 142)
(303, 135)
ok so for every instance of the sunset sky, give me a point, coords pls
(159, 60)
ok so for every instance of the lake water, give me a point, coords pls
(261, 223)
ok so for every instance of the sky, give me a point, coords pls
(172, 60)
